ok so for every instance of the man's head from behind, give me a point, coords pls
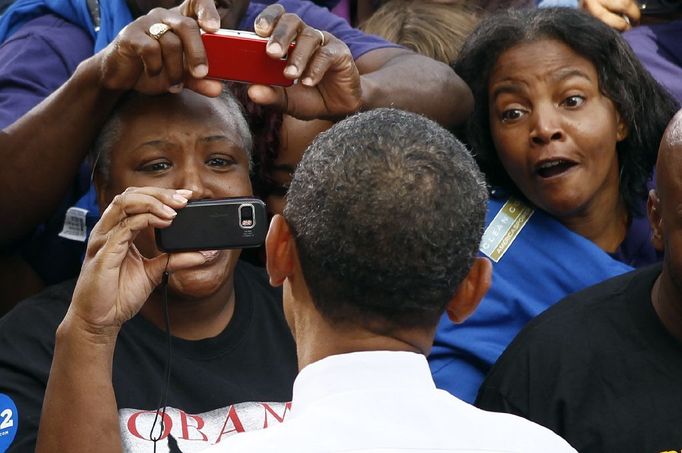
(386, 212)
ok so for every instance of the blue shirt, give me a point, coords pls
(535, 268)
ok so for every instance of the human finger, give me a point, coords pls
(616, 14)
(265, 22)
(122, 235)
(174, 262)
(207, 87)
(173, 61)
(191, 48)
(334, 54)
(308, 42)
(135, 43)
(136, 200)
(618, 22)
(272, 96)
(204, 11)
(627, 9)
(633, 12)
(283, 34)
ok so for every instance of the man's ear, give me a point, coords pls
(280, 249)
(471, 291)
(654, 210)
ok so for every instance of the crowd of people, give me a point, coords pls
(473, 226)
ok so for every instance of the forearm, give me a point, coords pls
(43, 149)
(419, 84)
(80, 393)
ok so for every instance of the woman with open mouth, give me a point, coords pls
(566, 128)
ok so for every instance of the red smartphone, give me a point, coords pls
(240, 56)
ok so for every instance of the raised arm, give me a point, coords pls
(403, 79)
(115, 282)
(42, 150)
(390, 76)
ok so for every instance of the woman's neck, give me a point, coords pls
(193, 319)
(603, 223)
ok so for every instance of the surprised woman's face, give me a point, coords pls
(555, 132)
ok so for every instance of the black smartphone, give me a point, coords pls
(225, 223)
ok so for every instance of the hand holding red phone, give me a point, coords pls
(159, 52)
(329, 80)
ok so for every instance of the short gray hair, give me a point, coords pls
(100, 154)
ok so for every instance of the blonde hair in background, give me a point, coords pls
(434, 29)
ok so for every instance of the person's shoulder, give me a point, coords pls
(52, 28)
(51, 303)
(495, 431)
(49, 40)
(567, 331)
(36, 317)
(518, 434)
(592, 302)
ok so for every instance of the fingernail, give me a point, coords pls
(208, 254)
(307, 82)
(291, 71)
(213, 24)
(275, 48)
(170, 211)
(175, 88)
(182, 196)
(261, 23)
(200, 71)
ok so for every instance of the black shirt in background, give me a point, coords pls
(219, 386)
(599, 369)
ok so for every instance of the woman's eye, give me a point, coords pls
(154, 167)
(573, 101)
(219, 162)
(511, 115)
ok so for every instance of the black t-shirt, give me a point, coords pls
(219, 386)
(599, 369)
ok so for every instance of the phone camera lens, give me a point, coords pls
(246, 216)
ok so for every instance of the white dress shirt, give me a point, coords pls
(383, 401)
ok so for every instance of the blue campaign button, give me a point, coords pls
(9, 421)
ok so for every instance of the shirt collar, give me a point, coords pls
(384, 370)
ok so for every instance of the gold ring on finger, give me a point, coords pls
(321, 36)
(157, 30)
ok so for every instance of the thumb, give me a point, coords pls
(206, 13)
(155, 267)
(207, 87)
(268, 95)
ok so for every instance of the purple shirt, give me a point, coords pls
(35, 61)
(659, 48)
(637, 250)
